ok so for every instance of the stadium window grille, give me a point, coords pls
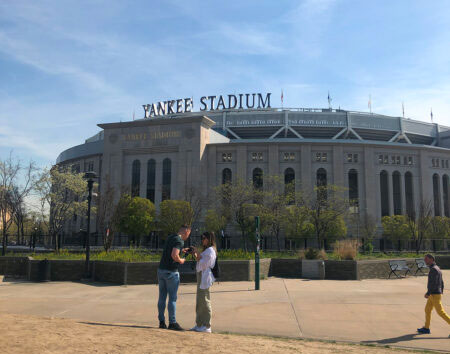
(353, 193)
(166, 179)
(405, 160)
(410, 160)
(392, 160)
(318, 156)
(437, 204)
(227, 157)
(386, 159)
(396, 190)
(135, 178)
(380, 159)
(151, 179)
(292, 156)
(349, 158)
(355, 158)
(409, 194)
(384, 193)
(324, 157)
(226, 176)
(445, 187)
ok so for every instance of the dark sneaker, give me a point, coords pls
(423, 330)
(175, 327)
(162, 325)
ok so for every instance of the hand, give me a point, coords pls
(182, 260)
(426, 296)
(184, 250)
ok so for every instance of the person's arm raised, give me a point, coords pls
(176, 256)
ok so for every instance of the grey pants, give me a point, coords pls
(203, 305)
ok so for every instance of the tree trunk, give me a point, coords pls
(4, 243)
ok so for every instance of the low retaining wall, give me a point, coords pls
(146, 272)
(16, 267)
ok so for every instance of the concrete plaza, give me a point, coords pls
(369, 311)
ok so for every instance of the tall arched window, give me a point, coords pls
(166, 179)
(258, 179)
(409, 194)
(384, 193)
(436, 196)
(445, 187)
(151, 177)
(321, 181)
(353, 193)
(135, 178)
(396, 190)
(289, 184)
(321, 177)
(226, 176)
(257, 185)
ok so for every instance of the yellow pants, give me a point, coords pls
(434, 301)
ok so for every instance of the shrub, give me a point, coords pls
(346, 249)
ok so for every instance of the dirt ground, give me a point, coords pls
(28, 334)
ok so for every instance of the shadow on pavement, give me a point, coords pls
(404, 338)
(221, 291)
(115, 325)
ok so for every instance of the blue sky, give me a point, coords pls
(67, 65)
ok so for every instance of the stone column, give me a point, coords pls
(372, 199)
(241, 162)
(305, 170)
(338, 166)
(403, 193)
(273, 163)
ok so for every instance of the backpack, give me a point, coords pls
(216, 269)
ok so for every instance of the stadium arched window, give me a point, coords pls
(384, 193)
(353, 194)
(445, 186)
(436, 196)
(151, 177)
(135, 178)
(258, 179)
(321, 177)
(409, 194)
(289, 180)
(226, 176)
(396, 190)
(166, 179)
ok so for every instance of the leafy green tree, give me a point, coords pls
(273, 207)
(327, 208)
(215, 222)
(232, 200)
(138, 219)
(296, 223)
(173, 214)
(395, 228)
(62, 194)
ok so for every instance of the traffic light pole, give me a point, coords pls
(258, 241)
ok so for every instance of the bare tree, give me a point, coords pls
(105, 213)
(193, 195)
(419, 224)
(12, 171)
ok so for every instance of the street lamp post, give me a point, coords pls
(89, 176)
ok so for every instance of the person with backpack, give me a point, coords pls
(206, 261)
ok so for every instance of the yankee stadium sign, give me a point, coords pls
(208, 103)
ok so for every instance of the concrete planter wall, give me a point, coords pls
(313, 269)
(146, 272)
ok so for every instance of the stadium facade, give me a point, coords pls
(389, 164)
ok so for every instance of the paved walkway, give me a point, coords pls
(370, 311)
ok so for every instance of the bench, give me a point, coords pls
(398, 266)
(420, 263)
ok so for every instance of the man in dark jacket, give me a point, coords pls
(434, 294)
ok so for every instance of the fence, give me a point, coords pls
(155, 241)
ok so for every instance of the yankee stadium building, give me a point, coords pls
(389, 164)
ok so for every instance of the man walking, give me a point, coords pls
(169, 278)
(434, 294)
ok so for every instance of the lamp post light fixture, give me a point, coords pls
(90, 176)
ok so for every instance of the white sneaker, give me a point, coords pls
(204, 329)
(195, 329)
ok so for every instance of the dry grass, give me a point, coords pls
(346, 249)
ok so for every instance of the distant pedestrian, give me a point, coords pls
(434, 294)
(205, 279)
(169, 277)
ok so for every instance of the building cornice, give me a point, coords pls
(204, 120)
